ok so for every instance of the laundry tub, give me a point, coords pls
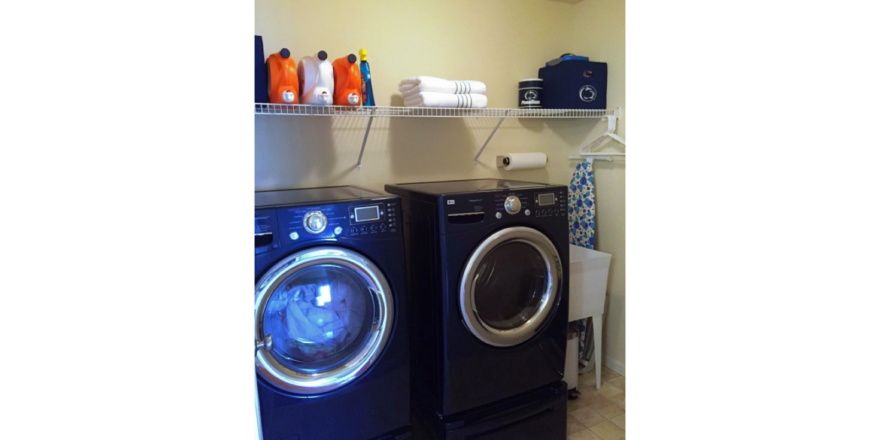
(588, 280)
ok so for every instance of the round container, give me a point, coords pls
(530, 92)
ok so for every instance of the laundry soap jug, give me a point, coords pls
(366, 80)
(346, 81)
(283, 79)
(316, 79)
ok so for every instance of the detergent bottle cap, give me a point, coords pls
(285, 53)
(363, 53)
(322, 55)
(351, 58)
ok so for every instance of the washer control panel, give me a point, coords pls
(367, 219)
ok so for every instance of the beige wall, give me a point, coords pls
(600, 33)
(498, 42)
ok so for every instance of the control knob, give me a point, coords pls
(512, 204)
(315, 222)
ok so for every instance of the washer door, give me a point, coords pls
(510, 285)
(323, 316)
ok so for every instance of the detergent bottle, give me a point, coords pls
(283, 80)
(316, 79)
(346, 81)
(366, 81)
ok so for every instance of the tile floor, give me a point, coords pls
(598, 414)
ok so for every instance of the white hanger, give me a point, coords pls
(612, 127)
(587, 150)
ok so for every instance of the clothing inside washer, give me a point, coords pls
(318, 318)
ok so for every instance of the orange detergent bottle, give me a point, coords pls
(283, 80)
(347, 80)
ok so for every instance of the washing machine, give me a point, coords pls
(331, 342)
(489, 293)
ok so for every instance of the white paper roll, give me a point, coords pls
(521, 161)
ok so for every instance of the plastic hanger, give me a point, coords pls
(612, 127)
(587, 150)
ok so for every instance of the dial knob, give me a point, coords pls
(315, 222)
(512, 204)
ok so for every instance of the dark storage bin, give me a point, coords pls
(574, 82)
(261, 86)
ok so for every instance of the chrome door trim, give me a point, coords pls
(302, 383)
(257, 404)
(506, 338)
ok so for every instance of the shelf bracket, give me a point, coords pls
(366, 135)
(490, 137)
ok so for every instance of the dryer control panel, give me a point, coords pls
(551, 204)
(367, 219)
(530, 203)
(463, 210)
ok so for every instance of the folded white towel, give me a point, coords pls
(433, 99)
(412, 91)
(433, 84)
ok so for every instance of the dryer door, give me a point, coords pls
(323, 316)
(510, 285)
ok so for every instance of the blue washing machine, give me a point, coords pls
(488, 260)
(331, 343)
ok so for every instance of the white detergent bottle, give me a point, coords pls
(316, 79)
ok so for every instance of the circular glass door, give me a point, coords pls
(323, 316)
(510, 285)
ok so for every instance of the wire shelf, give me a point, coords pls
(423, 112)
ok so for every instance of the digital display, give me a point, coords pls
(546, 199)
(366, 214)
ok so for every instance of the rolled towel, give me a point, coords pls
(433, 99)
(433, 84)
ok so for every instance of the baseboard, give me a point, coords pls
(614, 364)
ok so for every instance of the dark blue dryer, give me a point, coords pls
(488, 303)
(332, 357)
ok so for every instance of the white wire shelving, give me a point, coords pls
(424, 112)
